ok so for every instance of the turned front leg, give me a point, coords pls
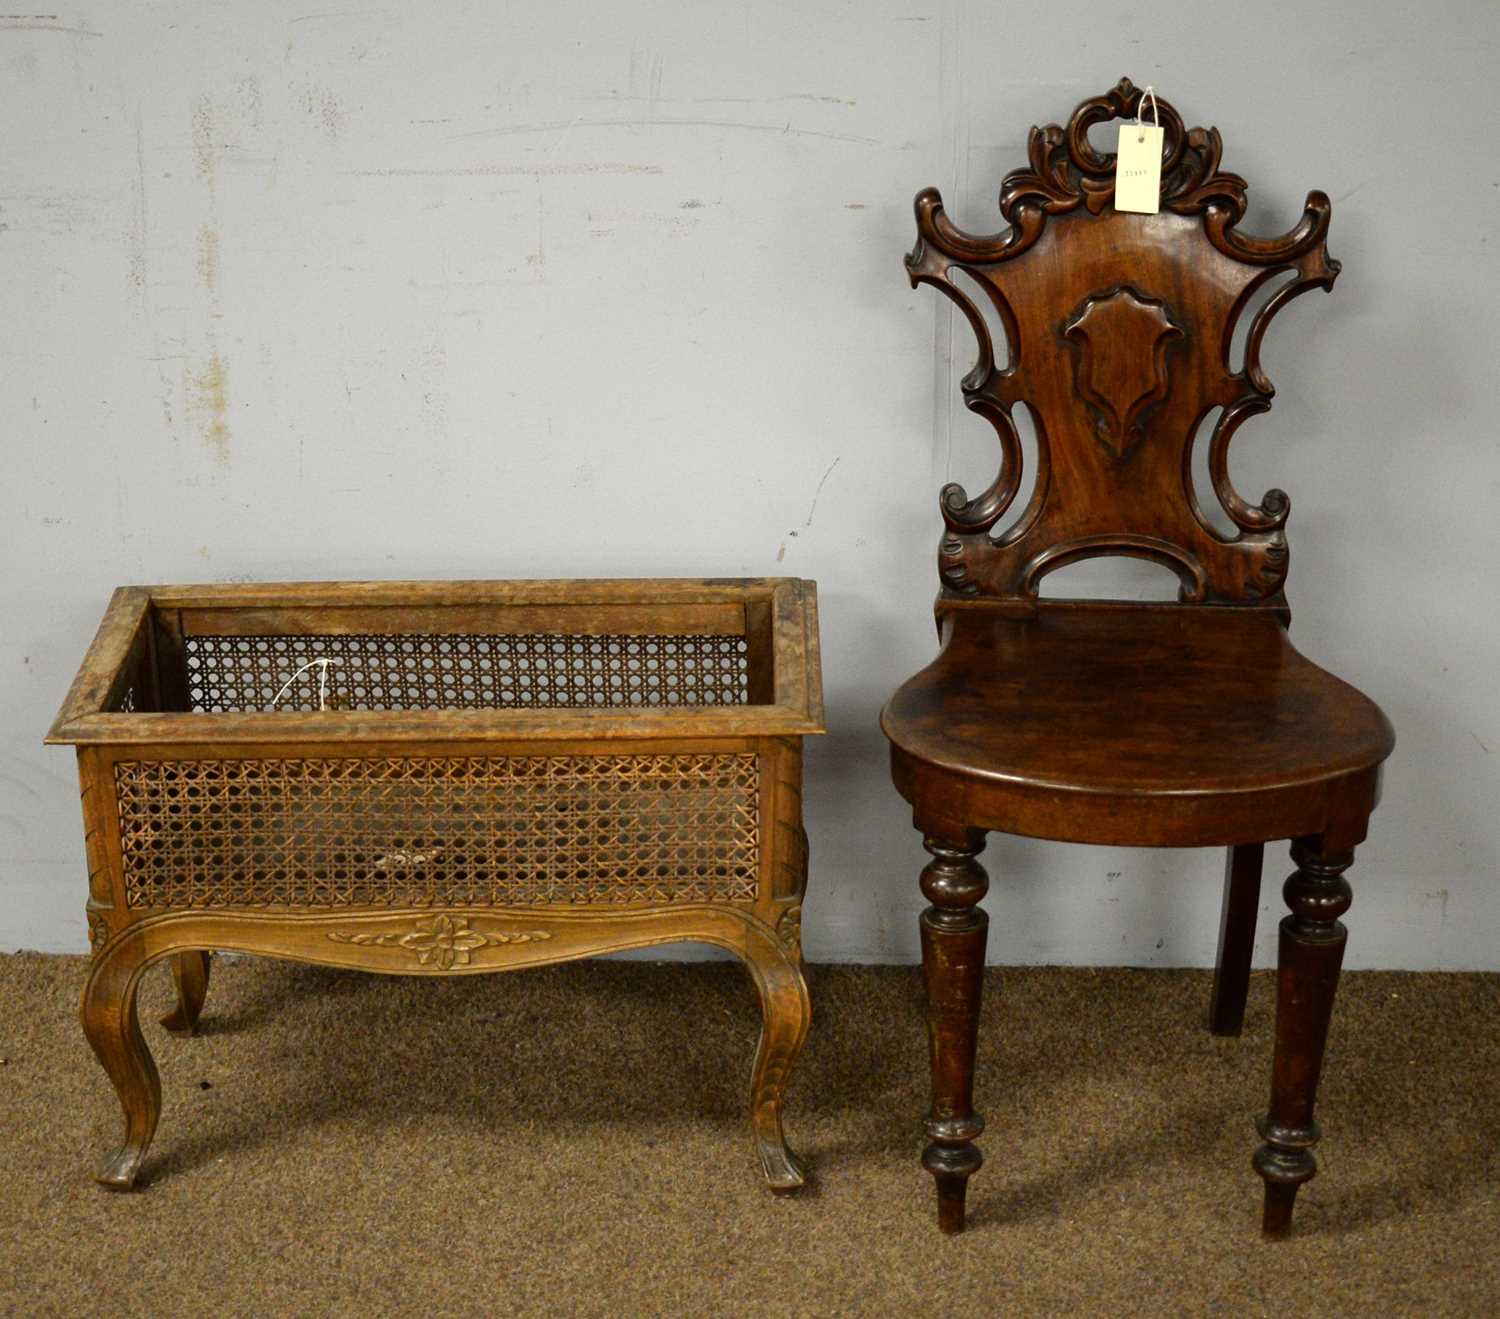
(1311, 953)
(953, 939)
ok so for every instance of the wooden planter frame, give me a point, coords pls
(130, 713)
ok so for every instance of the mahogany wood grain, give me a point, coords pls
(1311, 953)
(1156, 726)
(1164, 725)
(1119, 327)
(954, 929)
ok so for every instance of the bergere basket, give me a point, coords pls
(443, 777)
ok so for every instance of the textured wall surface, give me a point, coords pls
(554, 289)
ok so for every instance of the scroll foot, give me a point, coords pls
(113, 1029)
(785, 1012)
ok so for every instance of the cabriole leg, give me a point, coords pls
(190, 975)
(785, 1014)
(953, 938)
(1226, 1011)
(1311, 953)
(113, 1029)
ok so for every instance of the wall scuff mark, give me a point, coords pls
(208, 393)
(208, 257)
(137, 273)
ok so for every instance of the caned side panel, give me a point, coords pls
(441, 830)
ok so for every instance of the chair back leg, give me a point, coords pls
(1226, 1011)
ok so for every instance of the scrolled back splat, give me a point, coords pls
(1120, 327)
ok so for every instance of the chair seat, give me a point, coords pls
(1151, 726)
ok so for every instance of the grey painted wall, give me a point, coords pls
(400, 291)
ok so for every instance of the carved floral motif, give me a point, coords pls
(789, 929)
(442, 942)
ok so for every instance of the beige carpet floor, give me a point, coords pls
(573, 1141)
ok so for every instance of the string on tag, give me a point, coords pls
(321, 665)
(1140, 107)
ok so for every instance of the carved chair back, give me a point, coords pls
(1120, 328)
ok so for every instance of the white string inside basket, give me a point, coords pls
(321, 664)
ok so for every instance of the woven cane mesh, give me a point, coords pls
(437, 672)
(459, 831)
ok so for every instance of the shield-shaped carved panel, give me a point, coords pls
(1120, 339)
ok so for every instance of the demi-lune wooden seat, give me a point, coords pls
(1217, 729)
(1186, 723)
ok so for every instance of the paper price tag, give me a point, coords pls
(1138, 169)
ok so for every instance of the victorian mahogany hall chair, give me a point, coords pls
(1183, 724)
